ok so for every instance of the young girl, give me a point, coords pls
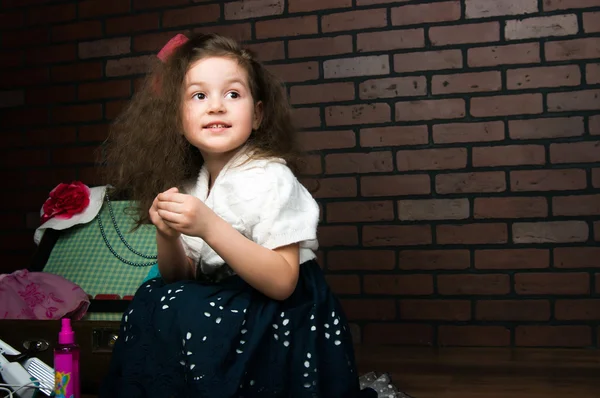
(241, 308)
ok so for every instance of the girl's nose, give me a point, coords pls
(216, 105)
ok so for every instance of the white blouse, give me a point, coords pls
(263, 200)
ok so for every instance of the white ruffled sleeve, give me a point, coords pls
(276, 209)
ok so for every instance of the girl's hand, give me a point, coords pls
(161, 226)
(184, 213)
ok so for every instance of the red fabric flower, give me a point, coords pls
(66, 200)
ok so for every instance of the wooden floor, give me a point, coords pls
(486, 372)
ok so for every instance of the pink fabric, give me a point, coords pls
(40, 295)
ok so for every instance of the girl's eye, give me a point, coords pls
(200, 96)
(233, 94)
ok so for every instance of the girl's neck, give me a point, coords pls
(216, 163)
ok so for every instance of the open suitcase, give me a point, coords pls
(108, 261)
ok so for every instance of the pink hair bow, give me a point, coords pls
(171, 46)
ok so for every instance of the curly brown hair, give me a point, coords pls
(145, 151)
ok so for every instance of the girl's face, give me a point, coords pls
(218, 112)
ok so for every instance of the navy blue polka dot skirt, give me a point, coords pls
(226, 339)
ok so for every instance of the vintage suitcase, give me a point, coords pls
(108, 261)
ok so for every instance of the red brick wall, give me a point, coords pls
(456, 144)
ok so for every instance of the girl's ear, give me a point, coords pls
(258, 115)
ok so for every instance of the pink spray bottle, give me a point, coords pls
(66, 363)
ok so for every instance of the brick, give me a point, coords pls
(360, 211)
(72, 156)
(112, 109)
(576, 152)
(551, 5)
(318, 140)
(515, 207)
(552, 283)
(428, 60)
(513, 310)
(374, 162)
(574, 101)
(93, 132)
(146, 4)
(550, 232)
(152, 41)
(373, 2)
(393, 87)
(76, 113)
(512, 259)
(576, 205)
(490, 284)
(432, 159)
(311, 164)
(12, 19)
(556, 25)
(31, 37)
(357, 114)
(553, 336)
(344, 284)
(249, 9)
(398, 334)
(433, 209)
(107, 89)
(468, 132)
(546, 128)
(427, 260)
(508, 155)
(358, 66)
(464, 33)
(314, 5)
(52, 13)
(17, 117)
(23, 77)
(546, 76)
(191, 15)
(11, 58)
(368, 260)
(504, 105)
(298, 72)
(493, 8)
(332, 235)
(524, 53)
(51, 94)
(585, 48)
(591, 22)
(11, 98)
(576, 257)
(405, 285)
(493, 181)
(430, 109)
(83, 30)
(369, 309)
(286, 27)
(96, 8)
(592, 73)
(471, 234)
(444, 310)
(25, 158)
(394, 136)
(395, 185)
(594, 125)
(547, 180)
(270, 51)
(396, 235)
(331, 187)
(49, 178)
(390, 40)
(584, 310)
(306, 117)
(132, 23)
(52, 136)
(466, 82)
(473, 335)
(129, 66)
(105, 48)
(426, 13)
(351, 20)
(51, 54)
(319, 47)
(596, 178)
(241, 32)
(319, 93)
